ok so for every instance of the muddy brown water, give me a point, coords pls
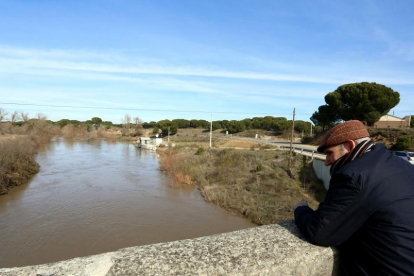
(95, 196)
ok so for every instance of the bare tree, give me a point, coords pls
(3, 114)
(126, 123)
(14, 117)
(24, 116)
(137, 126)
(41, 116)
(137, 122)
(127, 119)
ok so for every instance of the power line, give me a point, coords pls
(137, 109)
(159, 110)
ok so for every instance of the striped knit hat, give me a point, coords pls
(350, 130)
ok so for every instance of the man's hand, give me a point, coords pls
(302, 203)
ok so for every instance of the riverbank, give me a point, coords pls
(250, 183)
(17, 162)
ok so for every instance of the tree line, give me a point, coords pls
(268, 123)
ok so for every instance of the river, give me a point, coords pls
(95, 196)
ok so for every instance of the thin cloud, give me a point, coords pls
(169, 84)
(67, 63)
(158, 70)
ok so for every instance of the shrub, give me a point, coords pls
(306, 139)
(266, 146)
(200, 151)
(403, 143)
(17, 163)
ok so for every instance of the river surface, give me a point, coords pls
(95, 196)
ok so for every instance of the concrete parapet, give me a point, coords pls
(277, 249)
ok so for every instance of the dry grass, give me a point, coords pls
(173, 163)
(238, 144)
(250, 183)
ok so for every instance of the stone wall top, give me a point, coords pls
(277, 249)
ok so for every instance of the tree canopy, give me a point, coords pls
(362, 101)
(96, 121)
(325, 116)
(235, 126)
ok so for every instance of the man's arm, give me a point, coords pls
(337, 217)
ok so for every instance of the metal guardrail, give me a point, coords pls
(305, 151)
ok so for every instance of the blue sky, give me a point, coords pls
(168, 59)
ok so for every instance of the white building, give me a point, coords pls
(391, 121)
(149, 142)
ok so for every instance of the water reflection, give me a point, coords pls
(94, 196)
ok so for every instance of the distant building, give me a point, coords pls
(391, 121)
(150, 142)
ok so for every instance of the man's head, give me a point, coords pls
(342, 139)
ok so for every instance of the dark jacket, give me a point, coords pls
(368, 213)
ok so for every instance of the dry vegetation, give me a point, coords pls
(389, 136)
(18, 145)
(17, 162)
(252, 183)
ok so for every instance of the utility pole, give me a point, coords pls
(211, 128)
(291, 146)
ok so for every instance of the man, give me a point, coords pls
(368, 212)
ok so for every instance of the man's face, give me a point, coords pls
(334, 153)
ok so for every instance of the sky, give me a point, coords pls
(216, 59)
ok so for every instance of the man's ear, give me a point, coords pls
(350, 145)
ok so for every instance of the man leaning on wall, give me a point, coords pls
(368, 212)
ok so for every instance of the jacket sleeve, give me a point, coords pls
(337, 217)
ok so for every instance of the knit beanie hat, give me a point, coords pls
(349, 130)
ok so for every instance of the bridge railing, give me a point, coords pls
(277, 249)
(322, 171)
